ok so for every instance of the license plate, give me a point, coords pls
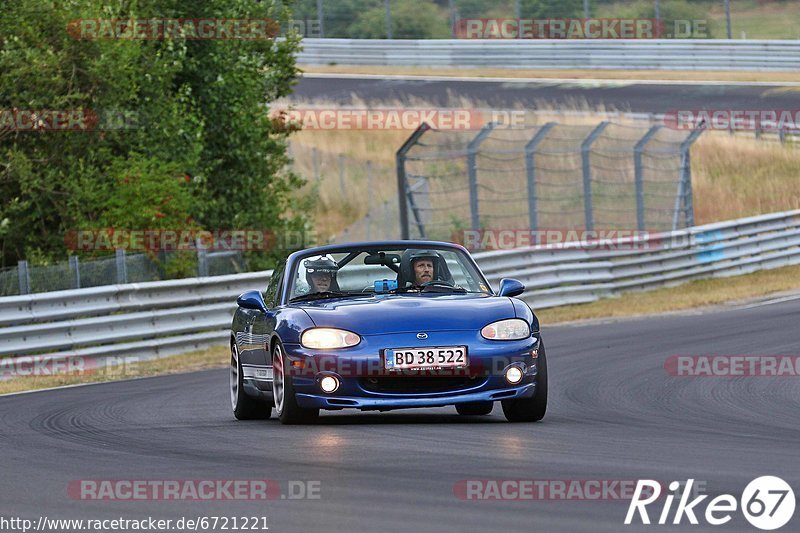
(421, 358)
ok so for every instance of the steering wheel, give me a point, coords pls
(436, 282)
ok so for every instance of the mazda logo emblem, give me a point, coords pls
(422, 336)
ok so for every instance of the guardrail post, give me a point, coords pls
(638, 175)
(74, 266)
(530, 170)
(122, 267)
(472, 171)
(586, 146)
(684, 194)
(403, 197)
(24, 277)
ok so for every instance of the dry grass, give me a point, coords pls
(690, 295)
(733, 176)
(633, 75)
(214, 357)
(736, 177)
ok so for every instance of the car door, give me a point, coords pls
(259, 328)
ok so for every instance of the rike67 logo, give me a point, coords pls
(767, 502)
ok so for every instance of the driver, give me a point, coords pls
(321, 274)
(424, 266)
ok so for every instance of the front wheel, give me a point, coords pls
(283, 392)
(244, 407)
(530, 409)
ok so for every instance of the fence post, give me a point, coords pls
(586, 146)
(472, 171)
(639, 177)
(402, 181)
(122, 267)
(388, 19)
(369, 183)
(386, 221)
(74, 265)
(321, 19)
(24, 277)
(202, 259)
(684, 194)
(530, 170)
(315, 164)
(342, 184)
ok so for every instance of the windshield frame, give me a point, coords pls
(294, 259)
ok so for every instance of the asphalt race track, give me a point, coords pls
(615, 414)
(614, 95)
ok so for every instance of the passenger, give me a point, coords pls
(321, 274)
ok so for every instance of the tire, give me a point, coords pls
(530, 409)
(283, 391)
(475, 408)
(244, 407)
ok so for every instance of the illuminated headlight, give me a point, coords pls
(511, 329)
(514, 374)
(328, 338)
(329, 384)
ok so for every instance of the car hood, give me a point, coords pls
(374, 315)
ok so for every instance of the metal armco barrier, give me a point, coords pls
(655, 54)
(156, 319)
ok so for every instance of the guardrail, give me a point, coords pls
(156, 319)
(655, 54)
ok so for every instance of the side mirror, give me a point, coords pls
(511, 287)
(252, 300)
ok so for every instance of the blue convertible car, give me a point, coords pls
(381, 326)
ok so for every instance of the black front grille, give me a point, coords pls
(419, 385)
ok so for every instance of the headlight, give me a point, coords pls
(328, 338)
(511, 329)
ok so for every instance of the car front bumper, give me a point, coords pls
(365, 384)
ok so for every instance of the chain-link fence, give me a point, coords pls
(606, 176)
(116, 269)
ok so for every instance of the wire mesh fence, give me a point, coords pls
(120, 268)
(606, 176)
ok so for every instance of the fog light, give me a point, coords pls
(514, 374)
(328, 384)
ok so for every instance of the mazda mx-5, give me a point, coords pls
(382, 326)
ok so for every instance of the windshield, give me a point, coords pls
(392, 270)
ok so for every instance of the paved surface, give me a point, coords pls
(614, 414)
(621, 96)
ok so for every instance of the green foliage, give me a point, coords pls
(195, 108)
(551, 9)
(682, 11)
(411, 19)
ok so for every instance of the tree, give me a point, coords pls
(193, 108)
